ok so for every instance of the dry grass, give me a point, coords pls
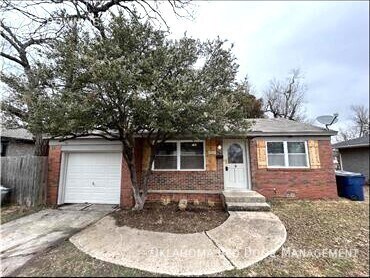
(12, 212)
(311, 225)
(317, 226)
(67, 261)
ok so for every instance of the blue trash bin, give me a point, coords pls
(350, 185)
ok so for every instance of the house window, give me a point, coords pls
(276, 156)
(166, 156)
(180, 155)
(192, 155)
(297, 154)
(287, 154)
(235, 154)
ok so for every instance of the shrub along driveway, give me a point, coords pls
(25, 237)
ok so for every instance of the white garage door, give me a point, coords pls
(93, 178)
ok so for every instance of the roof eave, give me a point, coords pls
(305, 133)
(17, 138)
(351, 146)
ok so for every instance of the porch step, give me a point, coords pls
(245, 201)
(240, 206)
(245, 197)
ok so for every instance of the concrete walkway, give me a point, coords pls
(23, 238)
(243, 239)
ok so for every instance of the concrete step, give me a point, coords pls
(240, 206)
(245, 197)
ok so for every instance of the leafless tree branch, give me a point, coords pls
(285, 99)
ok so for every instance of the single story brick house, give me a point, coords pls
(276, 158)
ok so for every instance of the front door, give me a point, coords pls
(235, 171)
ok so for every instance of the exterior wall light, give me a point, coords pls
(219, 151)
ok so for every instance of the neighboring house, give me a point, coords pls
(277, 158)
(354, 155)
(17, 142)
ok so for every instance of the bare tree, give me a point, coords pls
(22, 82)
(360, 119)
(27, 27)
(345, 134)
(94, 12)
(285, 99)
(359, 126)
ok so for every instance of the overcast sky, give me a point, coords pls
(329, 41)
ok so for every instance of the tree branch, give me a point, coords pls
(12, 58)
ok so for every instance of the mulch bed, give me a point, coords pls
(161, 218)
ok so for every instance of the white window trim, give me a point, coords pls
(178, 157)
(286, 155)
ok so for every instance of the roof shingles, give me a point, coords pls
(353, 143)
(18, 133)
(287, 127)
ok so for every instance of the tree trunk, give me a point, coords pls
(139, 193)
(147, 171)
(129, 156)
(139, 201)
(41, 146)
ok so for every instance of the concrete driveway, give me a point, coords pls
(23, 238)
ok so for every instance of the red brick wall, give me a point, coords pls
(298, 183)
(188, 180)
(54, 159)
(202, 198)
(182, 180)
(127, 200)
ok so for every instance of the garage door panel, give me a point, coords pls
(93, 178)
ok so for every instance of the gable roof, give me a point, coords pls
(266, 127)
(17, 133)
(280, 126)
(353, 143)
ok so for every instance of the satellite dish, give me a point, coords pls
(328, 120)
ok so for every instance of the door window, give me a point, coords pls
(235, 154)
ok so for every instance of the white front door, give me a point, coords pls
(93, 178)
(235, 171)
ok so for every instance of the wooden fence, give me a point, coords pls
(27, 178)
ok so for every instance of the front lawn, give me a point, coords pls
(313, 226)
(316, 227)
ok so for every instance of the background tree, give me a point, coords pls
(137, 82)
(359, 126)
(249, 104)
(361, 119)
(23, 83)
(285, 99)
(28, 27)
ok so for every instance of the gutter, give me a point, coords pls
(351, 146)
(296, 133)
(245, 135)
